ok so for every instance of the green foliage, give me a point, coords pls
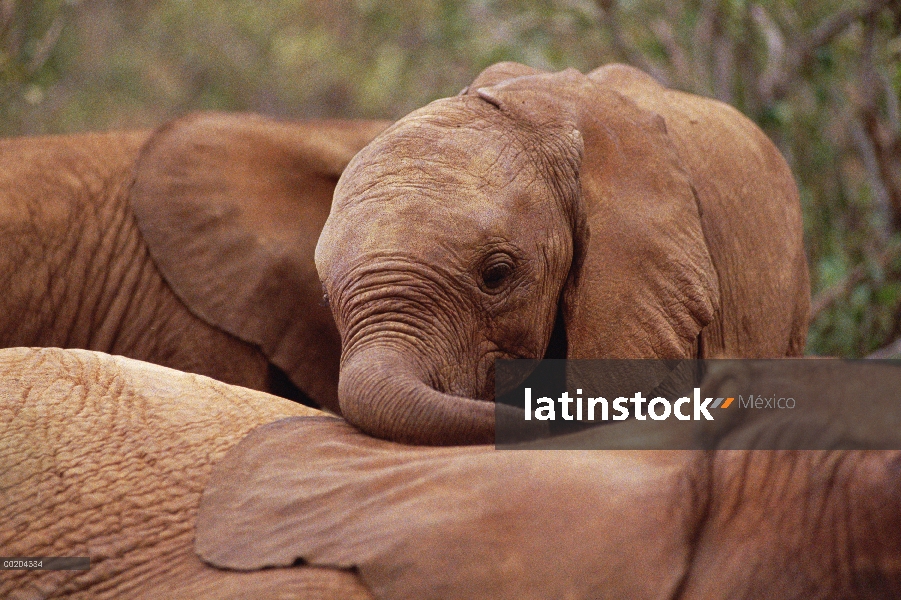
(831, 105)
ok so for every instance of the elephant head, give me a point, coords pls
(535, 204)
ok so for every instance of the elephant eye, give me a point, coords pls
(496, 272)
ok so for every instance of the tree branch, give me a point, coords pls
(678, 59)
(825, 299)
(624, 49)
(723, 50)
(893, 350)
(774, 85)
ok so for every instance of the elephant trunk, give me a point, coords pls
(385, 395)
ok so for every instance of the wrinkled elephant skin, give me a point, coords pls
(475, 522)
(106, 457)
(190, 246)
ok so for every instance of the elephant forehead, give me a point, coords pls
(430, 180)
(415, 228)
(447, 147)
(446, 228)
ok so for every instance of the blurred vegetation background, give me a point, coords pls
(821, 77)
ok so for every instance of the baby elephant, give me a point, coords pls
(554, 214)
(190, 246)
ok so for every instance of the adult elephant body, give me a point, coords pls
(476, 522)
(629, 220)
(136, 466)
(190, 246)
(106, 457)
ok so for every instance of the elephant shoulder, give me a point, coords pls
(55, 177)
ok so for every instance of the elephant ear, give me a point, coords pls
(449, 523)
(642, 284)
(231, 207)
